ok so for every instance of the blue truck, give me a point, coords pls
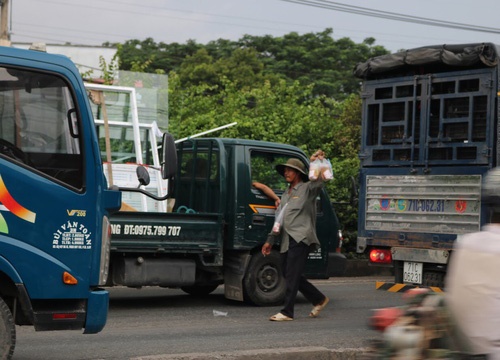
(54, 200)
(429, 133)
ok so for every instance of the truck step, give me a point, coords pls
(396, 287)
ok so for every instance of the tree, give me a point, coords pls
(312, 59)
(165, 57)
(315, 58)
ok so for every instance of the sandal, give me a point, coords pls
(280, 317)
(317, 309)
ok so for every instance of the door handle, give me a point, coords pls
(258, 220)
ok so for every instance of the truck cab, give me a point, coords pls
(55, 203)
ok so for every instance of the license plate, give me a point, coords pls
(412, 272)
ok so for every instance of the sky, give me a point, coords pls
(93, 22)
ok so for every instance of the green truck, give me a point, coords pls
(217, 226)
(201, 223)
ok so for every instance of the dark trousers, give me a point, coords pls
(293, 263)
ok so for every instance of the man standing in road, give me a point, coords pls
(297, 234)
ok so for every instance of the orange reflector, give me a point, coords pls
(69, 279)
(63, 316)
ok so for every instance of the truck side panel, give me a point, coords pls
(173, 233)
(441, 204)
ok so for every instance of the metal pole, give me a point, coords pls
(206, 132)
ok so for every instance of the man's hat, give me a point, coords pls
(294, 164)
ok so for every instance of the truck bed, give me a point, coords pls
(158, 233)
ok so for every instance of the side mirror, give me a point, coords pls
(142, 175)
(169, 165)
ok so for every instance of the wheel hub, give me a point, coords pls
(267, 278)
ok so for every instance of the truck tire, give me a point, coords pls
(7, 332)
(199, 290)
(264, 284)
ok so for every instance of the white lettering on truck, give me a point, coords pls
(147, 230)
(72, 235)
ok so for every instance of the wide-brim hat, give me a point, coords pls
(294, 164)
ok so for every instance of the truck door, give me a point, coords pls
(46, 183)
(260, 210)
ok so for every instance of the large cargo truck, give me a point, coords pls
(429, 133)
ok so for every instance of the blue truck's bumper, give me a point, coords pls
(97, 311)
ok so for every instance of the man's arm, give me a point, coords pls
(267, 191)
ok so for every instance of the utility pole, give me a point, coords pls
(4, 23)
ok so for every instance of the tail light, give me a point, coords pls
(380, 256)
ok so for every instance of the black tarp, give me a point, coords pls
(429, 57)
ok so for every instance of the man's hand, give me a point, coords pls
(266, 249)
(319, 154)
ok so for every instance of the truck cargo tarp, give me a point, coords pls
(465, 55)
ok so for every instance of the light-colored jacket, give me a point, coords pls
(299, 220)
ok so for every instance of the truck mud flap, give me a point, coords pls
(235, 266)
(97, 311)
(396, 287)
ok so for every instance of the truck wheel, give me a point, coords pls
(264, 284)
(7, 332)
(199, 290)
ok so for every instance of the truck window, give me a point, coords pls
(198, 186)
(199, 167)
(39, 125)
(263, 169)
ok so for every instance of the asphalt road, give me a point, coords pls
(155, 321)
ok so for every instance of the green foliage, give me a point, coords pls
(295, 89)
(166, 57)
(108, 70)
(311, 59)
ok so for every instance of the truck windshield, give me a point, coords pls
(39, 126)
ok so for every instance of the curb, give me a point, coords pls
(300, 353)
